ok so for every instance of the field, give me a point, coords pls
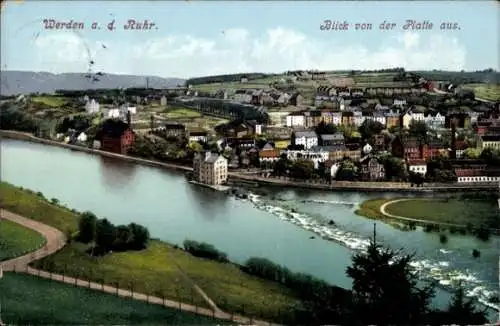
(457, 211)
(490, 92)
(52, 101)
(28, 300)
(31, 205)
(155, 270)
(16, 240)
(180, 113)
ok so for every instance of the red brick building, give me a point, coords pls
(434, 150)
(116, 136)
(406, 148)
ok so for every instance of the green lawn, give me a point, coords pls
(179, 113)
(16, 240)
(29, 204)
(154, 270)
(489, 92)
(455, 210)
(27, 299)
(53, 101)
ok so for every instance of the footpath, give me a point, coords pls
(56, 240)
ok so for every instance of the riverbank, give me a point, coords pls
(161, 270)
(239, 179)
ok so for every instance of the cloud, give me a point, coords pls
(237, 50)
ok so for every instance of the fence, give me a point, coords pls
(160, 299)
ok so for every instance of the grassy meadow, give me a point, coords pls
(29, 300)
(490, 92)
(16, 240)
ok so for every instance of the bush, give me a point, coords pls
(443, 238)
(205, 250)
(483, 233)
(476, 253)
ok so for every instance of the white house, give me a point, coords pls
(435, 121)
(358, 118)
(316, 155)
(399, 102)
(92, 106)
(380, 117)
(334, 169)
(114, 113)
(336, 118)
(418, 166)
(417, 116)
(306, 138)
(163, 100)
(82, 137)
(295, 120)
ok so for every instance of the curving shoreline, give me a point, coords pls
(239, 178)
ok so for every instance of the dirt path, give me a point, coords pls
(56, 240)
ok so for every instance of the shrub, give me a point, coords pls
(443, 238)
(476, 253)
(205, 250)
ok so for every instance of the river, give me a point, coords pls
(277, 226)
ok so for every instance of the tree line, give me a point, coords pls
(224, 78)
(106, 237)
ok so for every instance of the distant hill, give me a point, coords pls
(24, 82)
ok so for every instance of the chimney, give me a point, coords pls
(129, 119)
(453, 154)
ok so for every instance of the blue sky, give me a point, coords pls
(196, 38)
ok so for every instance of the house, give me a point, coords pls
(295, 119)
(371, 169)
(338, 153)
(114, 113)
(315, 154)
(336, 118)
(174, 130)
(306, 138)
(296, 99)
(270, 155)
(163, 101)
(460, 147)
(398, 102)
(243, 143)
(332, 139)
(116, 136)
(477, 176)
(92, 106)
(463, 120)
(347, 118)
(380, 117)
(312, 118)
(358, 118)
(417, 166)
(435, 121)
(198, 136)
(379, 142)
(210, 168)
(406, 147)
(488, 141)
(434, 149)
(244, 79)
(392, 119)
(82, 137)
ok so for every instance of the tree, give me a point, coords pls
(281, 166)
(323, 128)
(385, 290)
(140, 236)
(347, 171)
(394, 168)
(463, 312)
(472, 153)
(87, 227)
(418, 129)
(302, 169)
(124, 237)
(369, 128)
(105, 235)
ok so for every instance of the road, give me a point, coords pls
(56, 241)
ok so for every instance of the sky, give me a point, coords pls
(200, 38)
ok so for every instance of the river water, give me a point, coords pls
(278, 226)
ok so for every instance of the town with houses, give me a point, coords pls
(419, 132)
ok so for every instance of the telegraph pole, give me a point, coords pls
(375, 233)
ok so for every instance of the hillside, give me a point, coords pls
(23, 82)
